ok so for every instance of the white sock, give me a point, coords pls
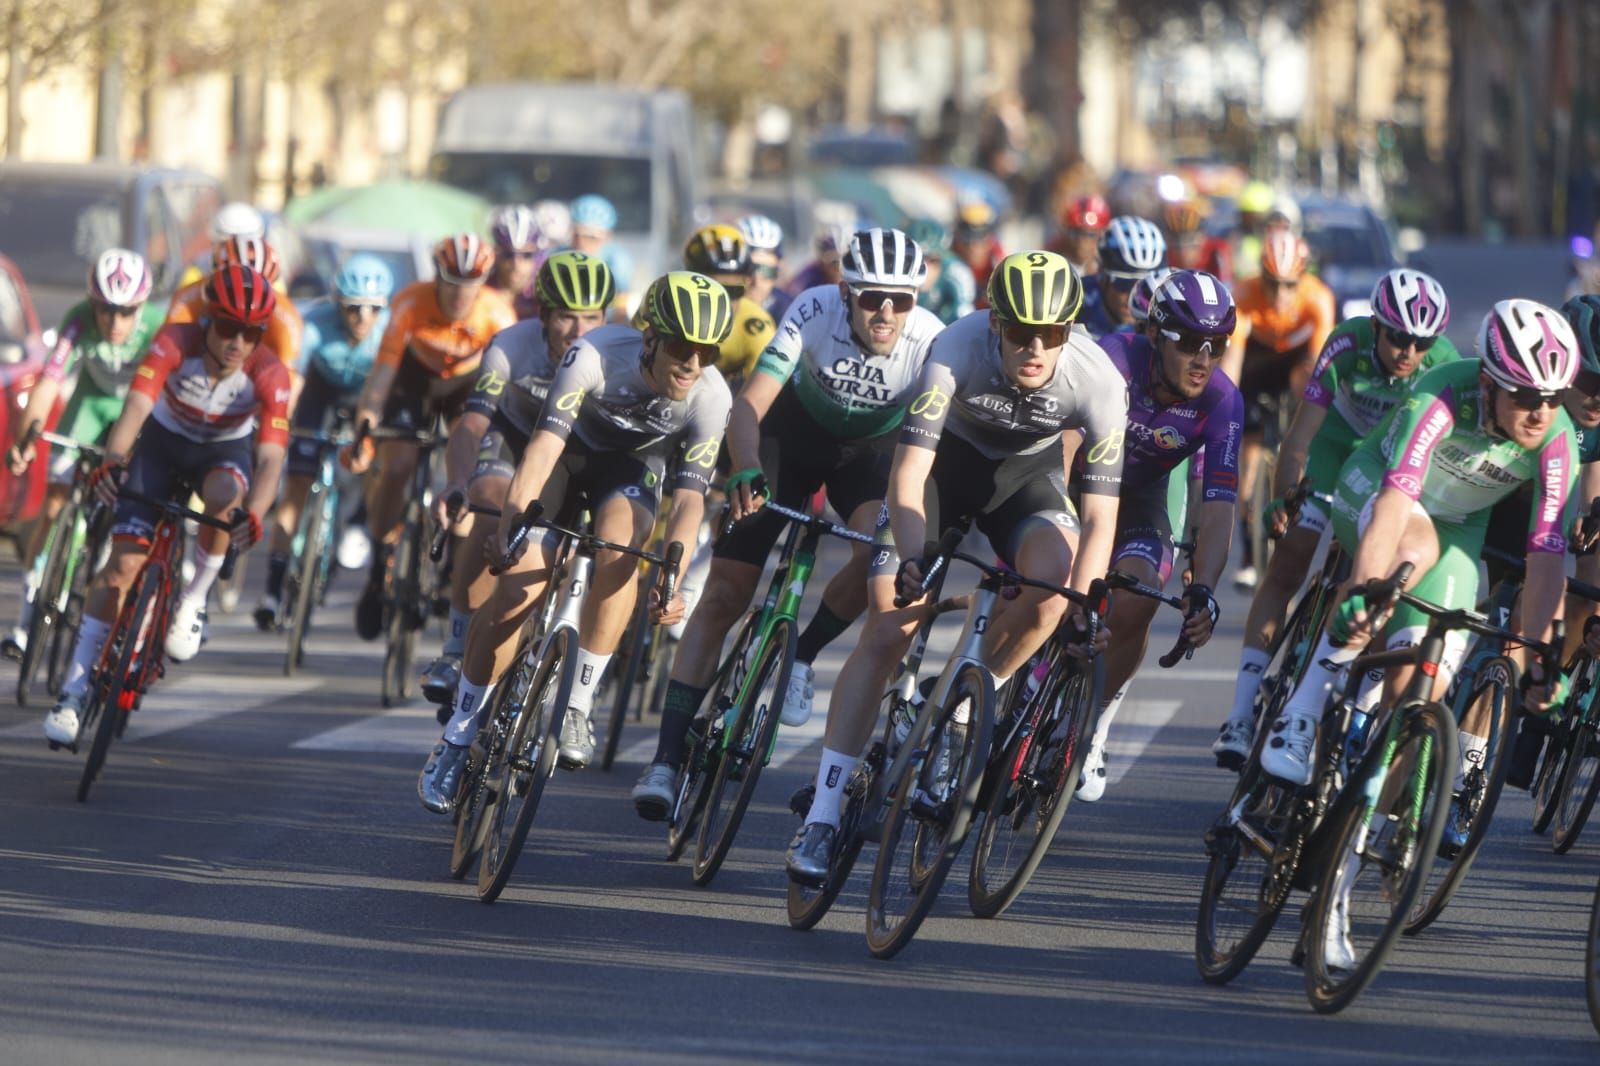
(92, 634)
(1370, 691)
(206, 569)
(456, 642)
(1102, 725)
(832, 774)
(1321, 672)
(1253, 663)
(591, 666)
(464, 720)
(1473, 750)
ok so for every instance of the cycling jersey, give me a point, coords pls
(953, 293)
(964, 388)
(283, 332)
(1306, 324)
(326, 346)
(1092, 316)
(1349, 383)
(203, 409)
(514, 376)
(988, 254)
(752, 332)
(1159, 438)
(849, 393)
(444, 347)
(601, 396)
(100, 367)
(777, 303)
(525, 303)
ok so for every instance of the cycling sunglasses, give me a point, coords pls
(767, 271)
(114, 310)
(1212, 344)
(229, 328)
(1281, 283)
(360, 307)
(1051, 335)
(1532, 399)
(1402, 341)
(682, 351)
(871, 300)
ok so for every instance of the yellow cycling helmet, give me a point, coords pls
(717, 249)
(573, 281)
(1255, 198)
(687, 306)
(1035, 289)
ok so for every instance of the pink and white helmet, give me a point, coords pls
(554, 221)
(1411, 302)
(120, 278)
(1523, 344)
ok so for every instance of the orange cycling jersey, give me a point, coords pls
(283, 332)
(1306, 323)
(446, 348)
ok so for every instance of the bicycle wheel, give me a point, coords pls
(1493, 688)
(524, 765)
(49, 599)
(1580, 782)
(1591, 962)
(935, 795)
(116, 692)
(301, 588)
(1547, 779)
(806, 904)
(705, 749)
(95, 550)
(399, 610)
(637, 644)
(1030, 786)
(746, 748)
(1384, 837)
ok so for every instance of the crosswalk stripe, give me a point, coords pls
(182, 702)
(412, 730)
(1136, 725)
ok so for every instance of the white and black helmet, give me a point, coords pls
(761, 233)
(1132, 246)
(883, 257)
(1411, 302)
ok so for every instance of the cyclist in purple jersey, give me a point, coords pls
(1177, 407)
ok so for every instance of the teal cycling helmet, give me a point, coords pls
(364, 277)
(1583, 313)
(931, 236)
(592, 211)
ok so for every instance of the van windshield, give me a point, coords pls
(54, 229)
(523, 177)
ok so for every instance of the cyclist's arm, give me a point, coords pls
(1219, 475)
(380, 379)
(272, 384)
(40, 403)
(1213, 535)
(755, 399)
(683, 524)
(1292, 457)
(1423, 422)
(119, 442)
(1100, 483)
(1099, 519)
(1543, 591)
(532, 472)
(908, 521)
(461, 451)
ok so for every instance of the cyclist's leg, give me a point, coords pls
(470, 580)
(1143, 550)
(1035, 530)
(301, 467)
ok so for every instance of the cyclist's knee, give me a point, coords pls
(123, 566)
(727, 591)
(488, 491)
(222, 490)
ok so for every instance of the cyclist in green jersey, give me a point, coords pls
(1367, 367)
(96, 353)
(949, 290)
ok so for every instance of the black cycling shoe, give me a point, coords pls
(369, 610)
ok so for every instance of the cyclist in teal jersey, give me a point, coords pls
(96, 353)
(949, 291)
(1419, 489)
(1367, 367)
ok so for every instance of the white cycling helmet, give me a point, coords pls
(237, 219)
(1411, 302)
(761, 233)
(1132, 246)
(120, 278)
(554, 220)
(1523, 344)
(514, 228)
(883, 257)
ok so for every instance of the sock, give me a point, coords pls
(1473, 750)
(206, 569)
(92, 634)
(1102, 725)
(1253, 663)
(831, 777)
(464, 719)
(1370, 691)
(676, 713)
(456, 642)
(591, 665)
(380, 562)
(824, 628)
(1321, 672)
(277, 567)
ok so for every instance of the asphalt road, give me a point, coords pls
(253, 879)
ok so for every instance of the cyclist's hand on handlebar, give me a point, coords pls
(357, 456)
(669, 614)
(1544, 695)
(106, 480)
(908, 580)
(19, 459)
(746, 490)
(1355, 619)
(1200, 620)
(1078, 625)
(450, 508)
(1275, 515)
(244, 530)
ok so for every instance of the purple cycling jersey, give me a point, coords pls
(1160, 437)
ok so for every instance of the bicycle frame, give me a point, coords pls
(166, 544)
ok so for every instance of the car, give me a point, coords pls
(56, 218)
(788, 203)
(22, 355)
(1351, 246)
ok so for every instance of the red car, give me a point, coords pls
(22, 353)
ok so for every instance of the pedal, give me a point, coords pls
(1230, 760)
(800, 802)
(54, 745)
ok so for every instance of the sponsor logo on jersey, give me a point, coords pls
(1422, 444)
(490, 383)
(755, 326)
(703, 454)
(569, 402)
(280, 423)
(1107, 450)
(930, 405)
(1168, 438)
(1548, 541)
(1555, 490)
(1406, 483)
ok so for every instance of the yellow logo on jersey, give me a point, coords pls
(703, 454)
(569, 403)
(280, 423)
(930, 405)
(145, 372)
(490, 383)
(1108, 449)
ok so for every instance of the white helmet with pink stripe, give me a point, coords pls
(120, 278)
(1411, 302)
(1523, 344)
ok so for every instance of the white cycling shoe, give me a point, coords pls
(1092, 785)
(797, 701)
(187, 631)
(1287, 753)
(61, 724)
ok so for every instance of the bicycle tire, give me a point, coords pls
(142, 601)
(46, 612)
(1591, 962)
(1580, 784)
(637, 641)
(534, 744)
(1039, 791)
(303, 581)
(700, 765)
(1499, 677)
(806, 905)
(1545, 788)
(886, 935)
(1432, 729)
(496, 725)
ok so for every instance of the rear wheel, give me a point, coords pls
(49, 599)
(637, 644)
(1591, 962)
(1546, 787)
(1580, 783)
(301, 588)
(114, 693)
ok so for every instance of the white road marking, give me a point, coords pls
(1136, 725)
(181, 702)
(412, 730)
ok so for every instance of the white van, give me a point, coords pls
(527, 141)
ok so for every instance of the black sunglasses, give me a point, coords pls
(1050, 334)
(228, 328)
(871, 300)
(1402, 341)
(1212, 344)
(1532, 399)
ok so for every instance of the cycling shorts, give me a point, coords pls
(1004, 497)
(501, 449)
(418, 393)
(1264, 382)
(168, 466)
(323, 406)
(1144, 528)
(798, 457)
(89, 416)
(583, 480)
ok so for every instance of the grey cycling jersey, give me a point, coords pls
(514, 376)
(850, 394)
(964, 388)
(601, 396)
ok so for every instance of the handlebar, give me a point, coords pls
(1118, 580)
(1291, 504)
(940, 559)
(800, 518)
(178, 512)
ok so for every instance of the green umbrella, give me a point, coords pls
(424, 208)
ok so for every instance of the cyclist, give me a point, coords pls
(1178, 406)
(1130, 248)
(719, 251)
(574, 291)
(982, 442)
(1083, 219)
(553, 218)
(949, 290)
(824, 269)
(1367, 367)
(765, 238)
(976, 243)
(623, 404)
(96, 352)
(594, 221)
(1190, 246)
(1255, 200)
(517, 246)
(192, 302)
(207, 412)
(1419, 489)
(338, 347)
(820, 411)
(426, 365)
(1285, 318)
(237, 219)
(1140, 300)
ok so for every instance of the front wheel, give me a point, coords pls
(301, 591)
(400, 610)
(115, 692)
(806, 904)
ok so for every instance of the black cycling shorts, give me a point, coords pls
(322, 406)
(1508, 531)
(1264, 382)
(583, 480)
(417, 393)
(1144, 527)
(500, 450)
(168, 466)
